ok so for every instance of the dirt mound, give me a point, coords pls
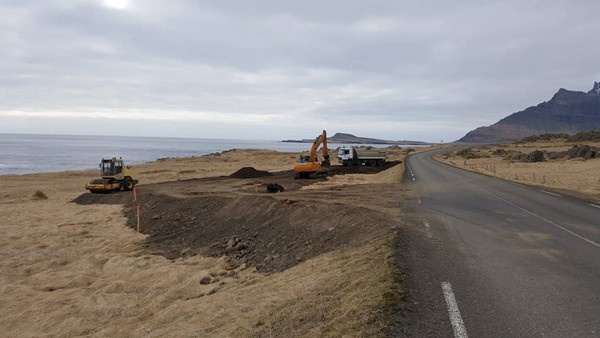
(260, 231)
(118, 197)
(249, 172)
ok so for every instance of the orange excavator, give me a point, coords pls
(309, 166)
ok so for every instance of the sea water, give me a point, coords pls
(26, 154)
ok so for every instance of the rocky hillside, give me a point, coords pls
(567, 112)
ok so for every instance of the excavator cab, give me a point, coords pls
(306, 159)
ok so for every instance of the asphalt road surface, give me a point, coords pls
(493, 258)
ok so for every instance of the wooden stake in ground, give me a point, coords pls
(137, 209)
(138, 217)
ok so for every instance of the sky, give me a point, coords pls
(271, 70)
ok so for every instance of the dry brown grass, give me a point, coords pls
(580, 177)
(73, 270)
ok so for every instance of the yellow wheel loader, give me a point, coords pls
(115, 175)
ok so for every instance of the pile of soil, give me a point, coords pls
(249, 172)
(117, 197)
(261, 231)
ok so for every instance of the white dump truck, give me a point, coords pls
(354, 156)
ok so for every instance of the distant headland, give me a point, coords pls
(344, 138)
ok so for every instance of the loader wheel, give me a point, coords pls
(128, 184)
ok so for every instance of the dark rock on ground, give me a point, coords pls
(534, 156)
(585, 152)
(275, 187)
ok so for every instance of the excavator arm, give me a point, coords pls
(321, 139)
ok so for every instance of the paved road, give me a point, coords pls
(499, 259)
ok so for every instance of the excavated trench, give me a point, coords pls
(268, 233)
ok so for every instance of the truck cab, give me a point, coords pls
(346, 156)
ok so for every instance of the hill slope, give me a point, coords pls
(567, 112)
(349, 138)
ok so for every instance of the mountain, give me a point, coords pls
(567, 112)
(349, 138)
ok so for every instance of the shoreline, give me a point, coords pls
(191, 157)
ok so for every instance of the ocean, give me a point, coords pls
(28, 154)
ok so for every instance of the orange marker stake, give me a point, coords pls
(134, 194)
(138, 217)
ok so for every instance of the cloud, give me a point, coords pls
(401, 68)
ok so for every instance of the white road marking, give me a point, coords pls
(597, 206)
(412, 174)
(543, 219)
(428, 229)
(457, 323)
(550, 193)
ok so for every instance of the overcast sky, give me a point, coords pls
(403, 70)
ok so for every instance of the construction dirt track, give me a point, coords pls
(217, 255)
(235, 217)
